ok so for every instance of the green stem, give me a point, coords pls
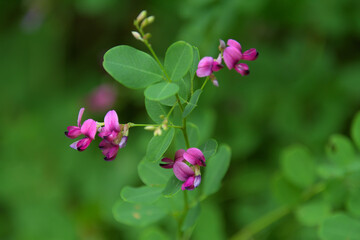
(182, 219)
(147, 125)
(206, 80)
(148, 45)
(192, 86)
(261, 223)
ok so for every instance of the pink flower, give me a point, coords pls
(208, 65)
(88, 128)
(102, 98)
(114, 135)
(190, 175)
(233, 54)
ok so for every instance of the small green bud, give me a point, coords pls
(141, 16)
(147, 36)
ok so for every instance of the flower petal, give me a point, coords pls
(123, 142)
(82, 144)
(217, 64)
(197, 181)
(188, 184)
(179, 155)
(81, 112)
(182, 171)
(111, 121)
(235, 44)
(108, 149)
(73, 132)
(195, 156)
(242, 68)
(250, 54)
(231, 56)
(204, 67)
(89, 128)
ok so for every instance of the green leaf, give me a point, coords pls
(313, 213)
(216, 167)
(284, 191)
(193, 136)
(155, 109)
(131, 67)
(172, 187)
(340, 150)
(353, 203)
(184, 89)
(298, 166)
(192, 103)
(153, 233)
(340, 226)
(178, 59)
(209, 148)
(144, 194)
(355, 130)
(195, 62)
(191, 217)
(152, 174)
(335, 193)
(327, 171)
(159, 144)
(137, 214)
(161, 91)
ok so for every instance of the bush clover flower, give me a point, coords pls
(207, 66)
(190, 175)
(114, 135)
(88, 129)
(233, 54)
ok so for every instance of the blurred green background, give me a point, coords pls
(304, 86)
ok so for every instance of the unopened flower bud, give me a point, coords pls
(164, 124)
(214, 80)
(136, 35)
(222, 45)
(147, 36)
(141, 16)
(149, 128)
(157, 132)
(147, 21)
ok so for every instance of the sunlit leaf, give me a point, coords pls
(178, 59)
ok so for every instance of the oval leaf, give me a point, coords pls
(152, 174)
(340, 226)
(313, 213)
(298, 166)
(209, 148)
(216, 167)
(159, 144)
(340, 150)
(191, 217)
(172, 186)
(131, 67)
(137, 214)
(161, 91)
(144, 194)
(178, 59)
(155, 109)
(192, 103)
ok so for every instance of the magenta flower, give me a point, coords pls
(88, 128)
(114, 135)
(190, 175)
(101, 98)
(208, 65)
(233, 54)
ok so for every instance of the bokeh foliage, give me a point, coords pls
(303, 89)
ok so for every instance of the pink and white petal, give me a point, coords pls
(123, 142)
(89, 128)
(182, 171)
(231, 56)
(73, 132)
(242, 68)
(204, 67)
(179, 155)
(250, 54)
(235, 44)
(81, 112)
(74, 145)
(112, 121)
(188, 184)
(195, 156)
(197, 181)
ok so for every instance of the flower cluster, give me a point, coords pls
(114, 135)
(232, 54)
(186, 167)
